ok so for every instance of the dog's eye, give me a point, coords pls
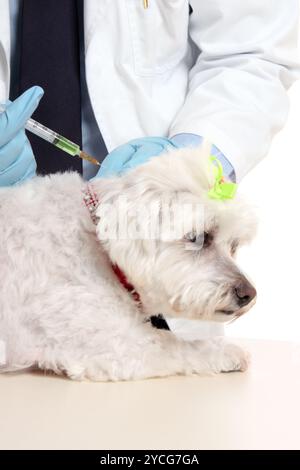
(204, 239)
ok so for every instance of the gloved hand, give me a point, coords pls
(17, 161)
(132, 154)
(138, 151)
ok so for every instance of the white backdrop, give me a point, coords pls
(273, 260)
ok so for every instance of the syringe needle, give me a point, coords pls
(87, 157)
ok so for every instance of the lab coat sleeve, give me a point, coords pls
(246, 60)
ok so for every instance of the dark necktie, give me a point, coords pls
(50, 57)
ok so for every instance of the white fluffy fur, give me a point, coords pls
(61, 306)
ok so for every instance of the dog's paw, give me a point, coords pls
(234, 358)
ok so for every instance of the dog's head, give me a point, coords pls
(175, 244)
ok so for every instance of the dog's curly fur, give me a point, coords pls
(62, 307)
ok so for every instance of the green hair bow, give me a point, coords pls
(221, 189)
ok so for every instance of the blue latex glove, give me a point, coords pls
(17, 161)
(138, 151)
(132, 154)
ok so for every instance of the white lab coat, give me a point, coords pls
(221, 73)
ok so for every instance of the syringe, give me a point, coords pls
(56, 139)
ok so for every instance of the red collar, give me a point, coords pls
(124, 281)
(91, 201)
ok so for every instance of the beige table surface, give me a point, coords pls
(256, 409)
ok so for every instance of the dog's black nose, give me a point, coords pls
(244, 293)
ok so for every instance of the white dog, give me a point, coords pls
(64, 270)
